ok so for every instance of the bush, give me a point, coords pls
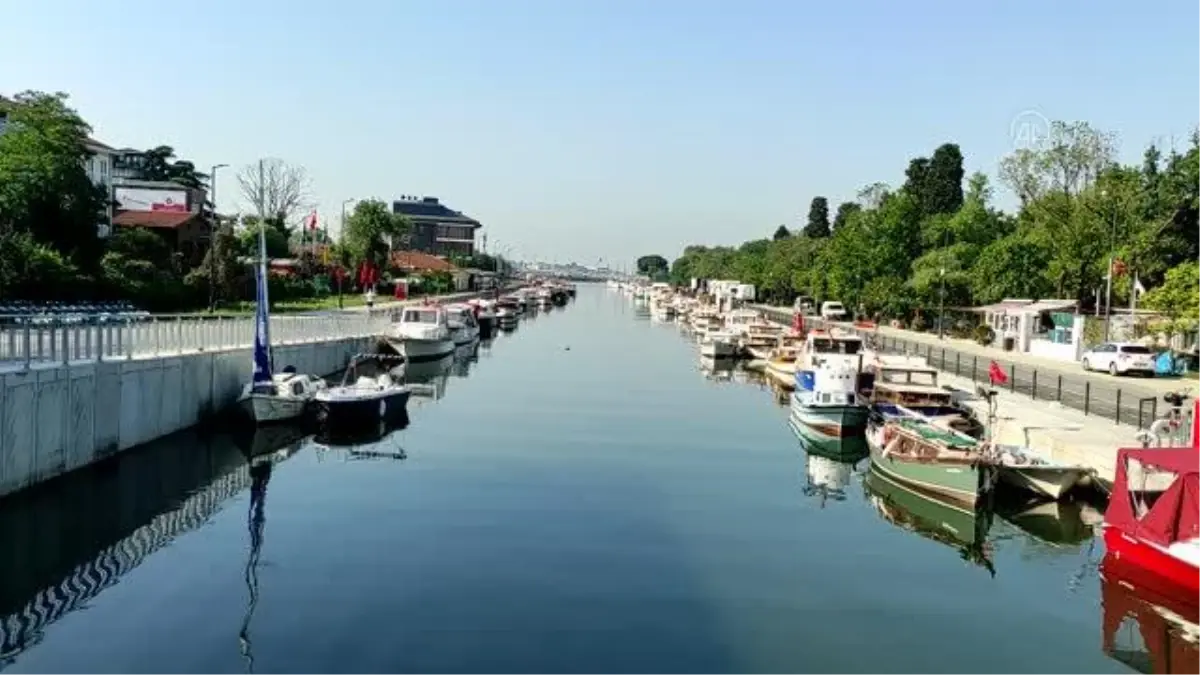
(984, 334)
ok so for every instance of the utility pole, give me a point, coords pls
(341, 238)
(942, 304)
(214, 226)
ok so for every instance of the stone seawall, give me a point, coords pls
(57, 418)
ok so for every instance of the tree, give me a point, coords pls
(654, 266)
(159, 164)
(369, 228)
(276, 234)
(873, 195)
(818, 219)
(844, 211)
(1014, 267)
(45, 190)
(781, 232)
(275, 188)
(1178, 298)
(223, 262)
(943, 185)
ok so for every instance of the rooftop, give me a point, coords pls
(422, 262)
(429, 208)
(164, 219)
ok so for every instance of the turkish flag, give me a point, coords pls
(311, 221)
(996, 374)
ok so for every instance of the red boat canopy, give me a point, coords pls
(1175, 514)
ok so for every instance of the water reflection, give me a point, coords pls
(1060, 526)
(428, 380)
(1145, 626)
(717, 370)
(68, 540)
(463, 357)
(933, 518)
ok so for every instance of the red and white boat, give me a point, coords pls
(1153, 516)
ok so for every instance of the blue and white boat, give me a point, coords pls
(826, 404)
(269, 396)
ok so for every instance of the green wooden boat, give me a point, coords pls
(936, 460)
(933, 517)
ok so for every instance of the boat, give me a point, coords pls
(508, 312)
(485, 316)
(738, 320)
(268, 396)
(914, 452)
(1143, 628)
(422, 333)
(759, 337)
(1153, 518)
(544, 298)
(896, 387)
(780, 365)
(464, 330)
(718, 345)
(1022, 467)
(364, 399)
(826, 382)
(932, 516)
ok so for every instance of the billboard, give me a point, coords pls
(145, 199)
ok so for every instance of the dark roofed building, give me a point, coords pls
(436, 228)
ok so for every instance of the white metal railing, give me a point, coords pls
(29, 343)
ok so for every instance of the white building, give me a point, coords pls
(99, 169)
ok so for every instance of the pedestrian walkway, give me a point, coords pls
(1129, 400)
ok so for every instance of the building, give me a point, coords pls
(436, 228)
(174, 211)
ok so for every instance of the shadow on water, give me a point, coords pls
(67, 540)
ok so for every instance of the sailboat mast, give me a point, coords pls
(264, 299)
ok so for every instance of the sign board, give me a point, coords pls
(146, 199)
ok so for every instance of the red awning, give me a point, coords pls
(1175, 514)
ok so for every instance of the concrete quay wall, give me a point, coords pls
(57, 418)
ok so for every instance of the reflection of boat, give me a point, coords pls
(361, 435)
(428, 380)
(262, 441)
(843, 448)
(933, 517)
(464, 356)
(1135, 612)
(1066, 523)
(717, 369)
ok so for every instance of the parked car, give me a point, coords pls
(1119, 358)
(833, 311)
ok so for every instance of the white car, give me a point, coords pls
(1119, 358)
(833, 311)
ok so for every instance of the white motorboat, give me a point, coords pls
(718, 345)
(463, 328)
(364, 399)
(1024, 468)
(422, 333)
(485, 316)
(272, 397)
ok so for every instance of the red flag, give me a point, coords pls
(996, 374)
(311, 221)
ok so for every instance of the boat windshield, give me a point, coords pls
(899, 376)
(420, 316)
(825, 345)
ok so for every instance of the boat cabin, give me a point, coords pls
(824, 342)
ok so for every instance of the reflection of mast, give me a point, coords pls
(260, 475)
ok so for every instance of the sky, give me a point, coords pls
(581, 130)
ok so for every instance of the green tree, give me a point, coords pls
(781, 232)
(159, 164)
(276, 235)
(818, 219)
(224, 275)
(1178, 298)
(654, 266)
(44, 188)
(369, 228)
(844, 211)
(1013, 267)
(944, 183)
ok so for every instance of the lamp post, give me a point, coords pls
(1112, 245)
(341, 235)
(942, 303)
(212, 239)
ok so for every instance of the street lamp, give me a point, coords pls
(212, 238)
(942, 303)
(341, 233)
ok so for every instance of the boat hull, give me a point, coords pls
(1175, 574)
(784, 377)
(1050, 482)
(843, 449)
(830, 421)
(422, 350)
(265, 408)
(350, 413)
(716, 349)
(960, 483)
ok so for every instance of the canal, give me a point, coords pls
(579, 497)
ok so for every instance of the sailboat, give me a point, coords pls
(269, 396)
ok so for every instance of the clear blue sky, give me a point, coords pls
(576, 129)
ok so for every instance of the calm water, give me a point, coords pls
(580, 498)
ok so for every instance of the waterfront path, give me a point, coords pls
(49, 344)
(1125, 400)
